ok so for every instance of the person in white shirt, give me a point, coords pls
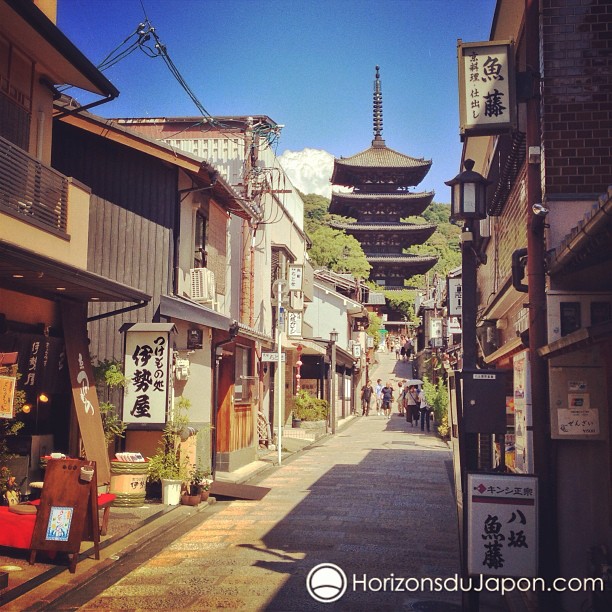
(378, 392)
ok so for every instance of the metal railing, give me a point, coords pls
(31, 191)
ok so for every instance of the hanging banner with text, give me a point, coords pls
(502, 525)
(487, 88)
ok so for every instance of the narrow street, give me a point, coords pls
(375, 500)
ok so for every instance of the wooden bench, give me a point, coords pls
(16, 529)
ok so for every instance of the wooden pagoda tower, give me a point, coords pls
(380, 179)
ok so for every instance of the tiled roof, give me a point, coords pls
(395, 196)
(383, 157)
(376, 299)
(385, 227)
(403, 259)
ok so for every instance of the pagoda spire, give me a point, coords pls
(377, 113)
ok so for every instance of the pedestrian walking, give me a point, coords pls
(367, 391)
(400, 397)
(412, 408)
(378, 391)
(424, 410)
(387, 399)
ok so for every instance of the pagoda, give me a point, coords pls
(380, 179)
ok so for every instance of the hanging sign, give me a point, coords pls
(486, 87)
(296, 273)
(502, 525)
(454, 297)
(147, 365)
(7, 396)
(294, 324)
(523, 430)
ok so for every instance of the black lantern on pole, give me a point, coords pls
(468, 193)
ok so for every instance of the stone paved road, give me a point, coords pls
(376, 500)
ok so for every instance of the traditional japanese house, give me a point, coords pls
(381, 179)
(264, 251)
(544, 296)
(160, 219)
(45, 281)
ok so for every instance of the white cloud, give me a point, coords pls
(309, 170)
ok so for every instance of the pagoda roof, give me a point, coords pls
(414, 233)
(408, 203)
(400, 259)
(376, 162)
(384, 266)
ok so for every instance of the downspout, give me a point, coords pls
(536, 280)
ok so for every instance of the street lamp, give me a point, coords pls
(468, 202)
(333, 338)
(468, 193)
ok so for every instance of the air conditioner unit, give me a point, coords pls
(203, 288)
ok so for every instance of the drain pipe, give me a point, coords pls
(217, 356)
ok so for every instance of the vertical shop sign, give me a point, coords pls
(502, 525)
(294, 324)
(486, 87)
(147, 364)
(7, 397)
(523, 425)
(84, 394)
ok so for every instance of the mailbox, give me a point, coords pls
(483, 394)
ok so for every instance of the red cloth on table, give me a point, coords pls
(16, 529)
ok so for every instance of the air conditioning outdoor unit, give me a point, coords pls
(203, 288)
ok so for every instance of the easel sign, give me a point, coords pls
(68, 510)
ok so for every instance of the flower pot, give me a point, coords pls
(296, 423)
(171, 491)
(204, 495)
(190, 500)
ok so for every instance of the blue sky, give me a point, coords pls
(306, 64)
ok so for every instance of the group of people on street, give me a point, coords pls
(411, 402)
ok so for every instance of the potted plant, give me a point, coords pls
(309, 409)
(197, 487)
(167, 465)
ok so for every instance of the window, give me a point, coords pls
(245, 384)
(199, 258)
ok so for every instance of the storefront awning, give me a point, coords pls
(29, 272)
(184, 310)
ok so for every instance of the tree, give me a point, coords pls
(339, 252)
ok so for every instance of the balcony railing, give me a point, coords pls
(31, 191)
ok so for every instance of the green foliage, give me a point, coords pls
(437, 398)
(443, 244)
(339, 252)
(109, 376)
(309, 408)
(199, 479)
(315, 211)
(403, 302)
(168, 461)
(374, 325)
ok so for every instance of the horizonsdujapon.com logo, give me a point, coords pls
(326, 582)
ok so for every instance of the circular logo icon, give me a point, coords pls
(326, 583)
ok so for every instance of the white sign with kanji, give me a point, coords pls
(146, 369)
(486, 87)
(296, 273)
(294, 324)
(502, 519)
